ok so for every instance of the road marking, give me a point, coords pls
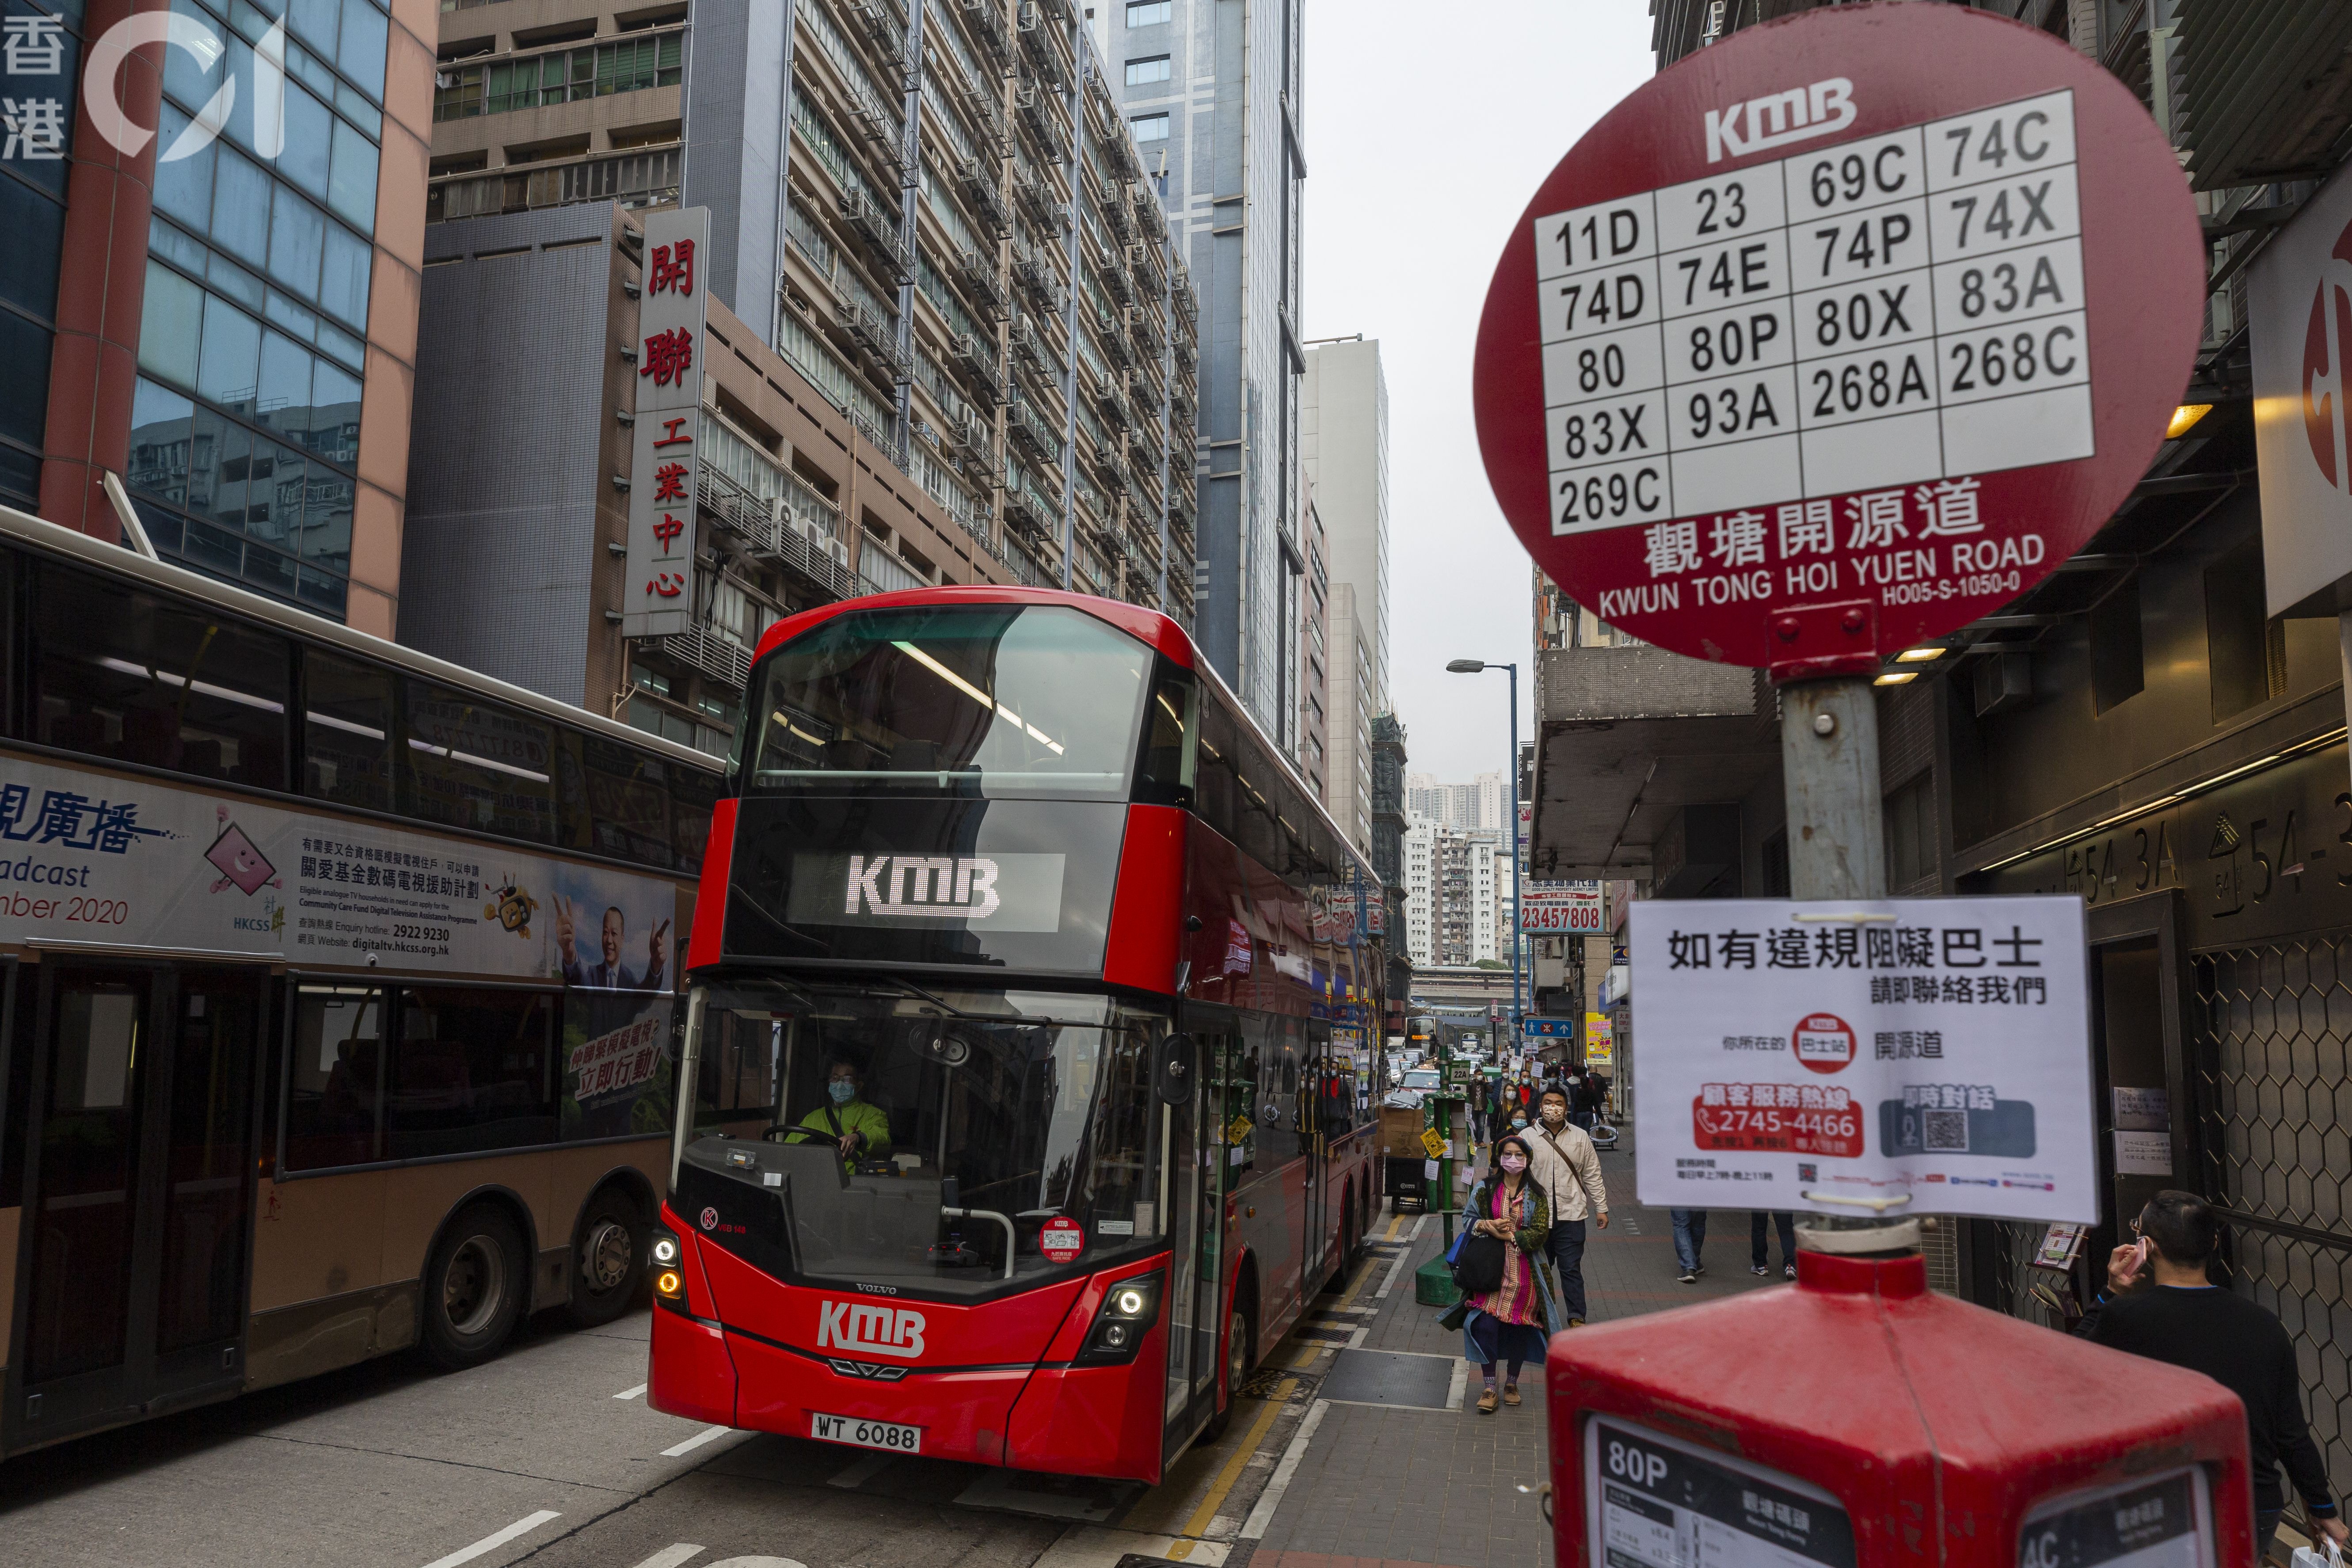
(1460, 1385)
(862, 1471)
(1401, 1258)
(707, 1435)
(671, 1556)
(1243, 1451)
(630, 1393)
(1269, 1499)
(1356, 1339)
(495, 1539)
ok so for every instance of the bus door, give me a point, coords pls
(1315, 1129)
(138, 1113)
(1195, 1155)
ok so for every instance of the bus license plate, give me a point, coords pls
(888, 1435)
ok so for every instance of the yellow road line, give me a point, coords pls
(1234, 1466)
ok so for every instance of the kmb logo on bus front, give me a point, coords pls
(866, 1330)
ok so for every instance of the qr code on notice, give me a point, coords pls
(1944, 1132)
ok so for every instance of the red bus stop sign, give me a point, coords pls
(1839, 334)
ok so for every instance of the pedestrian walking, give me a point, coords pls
(1690, 1235)
(2158, 1303)
(1567, 1170)
(1586, 1102)
(1505, 1326)
(1759, 1255)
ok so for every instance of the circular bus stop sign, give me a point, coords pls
(1838, 335)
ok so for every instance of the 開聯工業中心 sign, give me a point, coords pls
(1934, 1053)
(1837, 335)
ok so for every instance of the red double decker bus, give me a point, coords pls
(1033, 1014)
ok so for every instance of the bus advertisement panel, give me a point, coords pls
(90, 857)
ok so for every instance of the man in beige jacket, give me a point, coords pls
(1567, 1168)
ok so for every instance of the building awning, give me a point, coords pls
(2265, 90)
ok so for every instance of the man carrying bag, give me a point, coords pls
(1567, 1170)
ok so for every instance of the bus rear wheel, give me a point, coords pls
(608, 1261)
(473, 1290)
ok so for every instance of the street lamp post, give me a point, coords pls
(1518, 996)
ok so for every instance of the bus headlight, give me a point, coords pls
(669, 1277)
(1128, 1309)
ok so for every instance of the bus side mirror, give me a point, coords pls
(950, 1195)
(1179, 1066)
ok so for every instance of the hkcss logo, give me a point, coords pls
(863, 1330)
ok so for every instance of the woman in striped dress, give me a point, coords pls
(1508, 1322)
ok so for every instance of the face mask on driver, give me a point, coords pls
(843, 1091)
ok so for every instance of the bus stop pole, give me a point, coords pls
(1828, 763)
(1837, 836)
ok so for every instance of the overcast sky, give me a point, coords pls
(1427, 131)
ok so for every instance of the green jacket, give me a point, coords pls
(829, 1122)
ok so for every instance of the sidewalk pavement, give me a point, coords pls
(1399, 1469)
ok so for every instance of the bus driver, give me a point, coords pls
(859, 1130)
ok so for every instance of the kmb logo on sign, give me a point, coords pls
(1778, 119)
(863, 1330)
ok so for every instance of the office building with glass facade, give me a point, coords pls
(231, 328)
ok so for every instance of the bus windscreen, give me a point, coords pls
(1031, 1112)
(990, 701)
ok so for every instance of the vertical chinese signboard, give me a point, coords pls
(657, 599)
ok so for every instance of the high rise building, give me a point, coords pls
(948, 339)
(1343, 451)
(1313, 679)
(1212, 92)
(225, 316)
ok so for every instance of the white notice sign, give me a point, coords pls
(1935, 1051)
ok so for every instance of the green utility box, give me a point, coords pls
(1433, 1284)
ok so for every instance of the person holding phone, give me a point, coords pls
(2158, 1303)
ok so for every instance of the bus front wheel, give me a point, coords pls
(1240, 1356)
(473, 1290)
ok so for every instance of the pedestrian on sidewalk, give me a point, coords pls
(2158, 1303)
(1567, 1170)
(1690, 1235)
(1759, 1255)
(1506, 1324)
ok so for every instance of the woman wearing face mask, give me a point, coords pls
(1508, 1322)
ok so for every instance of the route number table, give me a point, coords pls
(1904, 309)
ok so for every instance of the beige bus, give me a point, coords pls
(337, 993)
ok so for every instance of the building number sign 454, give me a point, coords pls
(1906, 308)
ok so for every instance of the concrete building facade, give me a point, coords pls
(1343, 451)
(957, 342)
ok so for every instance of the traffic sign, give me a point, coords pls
(1839, 334)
